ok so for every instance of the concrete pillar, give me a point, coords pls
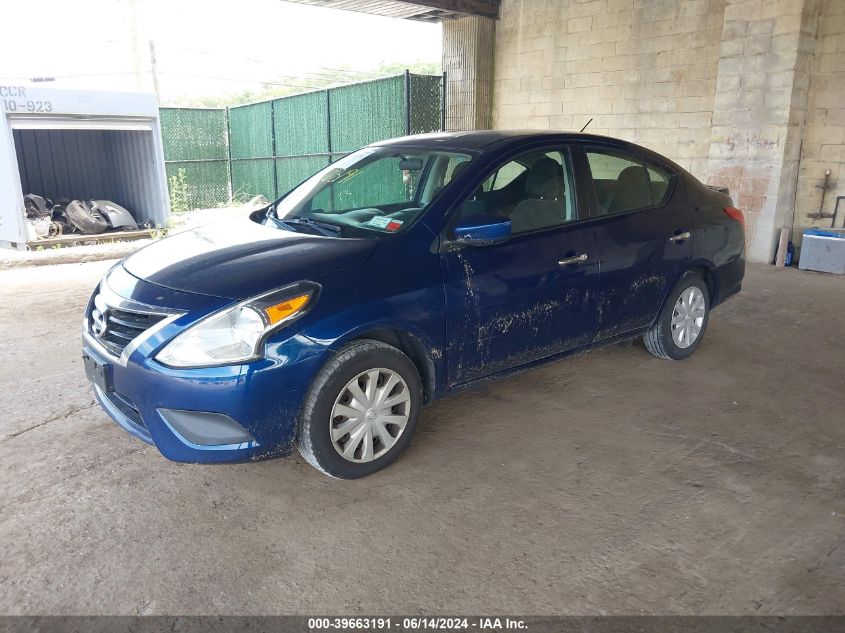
(468, 61)
(759, 110)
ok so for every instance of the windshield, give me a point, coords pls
(376, 189)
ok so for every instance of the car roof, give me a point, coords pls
(500, 140)
(478, 140)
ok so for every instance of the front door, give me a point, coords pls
(533, 296)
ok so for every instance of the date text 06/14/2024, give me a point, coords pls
(417, 623)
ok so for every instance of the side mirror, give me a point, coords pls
(482, 230)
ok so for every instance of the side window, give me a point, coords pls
(504, 176)
(624, 182)
(455, 165)
(442, 171)
(534, 191)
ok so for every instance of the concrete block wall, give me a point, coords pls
(748, 94)
(823, 141)
(468, 62)
(644, 70)
(759, 112)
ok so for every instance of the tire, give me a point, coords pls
(661, 340)
(85, 218)
(330, 394)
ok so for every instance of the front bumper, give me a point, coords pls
(153, 402)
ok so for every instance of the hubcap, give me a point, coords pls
(688, 317)
(370, 415)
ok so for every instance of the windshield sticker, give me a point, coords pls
(380, 222)
(383, 222)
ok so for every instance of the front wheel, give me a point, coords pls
(683, 320)
(360, 411)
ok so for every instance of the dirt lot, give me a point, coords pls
(609, 483)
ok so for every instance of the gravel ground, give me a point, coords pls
(609, 483)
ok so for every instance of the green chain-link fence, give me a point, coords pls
(274, 145)
(195, 141)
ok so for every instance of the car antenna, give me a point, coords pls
(585, 125)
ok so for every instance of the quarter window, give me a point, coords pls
(625, 182)
(659, 182)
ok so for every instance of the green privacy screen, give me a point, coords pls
(274, 145)
(366, 112)
(301, 128)
(292, 170)
(195, 141)
(278, 144)
(251, 143)
(301, 124)
(380, 182)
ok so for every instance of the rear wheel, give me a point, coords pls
(683, 320)
(360, 411)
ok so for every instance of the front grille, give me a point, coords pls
(121, 326)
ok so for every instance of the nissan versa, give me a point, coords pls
(404, 272)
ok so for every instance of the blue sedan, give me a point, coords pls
(404, 272)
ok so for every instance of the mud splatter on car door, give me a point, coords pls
(512, 303)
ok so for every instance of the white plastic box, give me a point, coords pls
(823, 250)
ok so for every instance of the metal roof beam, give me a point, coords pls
(484, 8)
(424, 10)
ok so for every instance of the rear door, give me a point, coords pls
(643, 232)
(520, 301)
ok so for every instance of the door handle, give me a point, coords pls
(680, 237)
(575, 259)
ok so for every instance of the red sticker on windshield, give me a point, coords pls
(393, 225)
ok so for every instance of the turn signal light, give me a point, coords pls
(736, 214)
(286, 308)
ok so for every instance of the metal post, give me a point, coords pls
(329, 123)
(273, 148)
(407, 102)
(154, 68)
(443, 104)
(229, 155)
(329, 142)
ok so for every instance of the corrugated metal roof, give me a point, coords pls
(423, 10)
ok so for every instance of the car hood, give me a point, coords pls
(242, 259)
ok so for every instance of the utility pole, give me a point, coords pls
(154, 69)
(136, 48)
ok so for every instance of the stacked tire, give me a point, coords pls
(86, 217)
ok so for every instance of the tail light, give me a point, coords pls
(735, 214)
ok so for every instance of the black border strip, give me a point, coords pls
(489, 623)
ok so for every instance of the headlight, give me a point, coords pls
(236, 334)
